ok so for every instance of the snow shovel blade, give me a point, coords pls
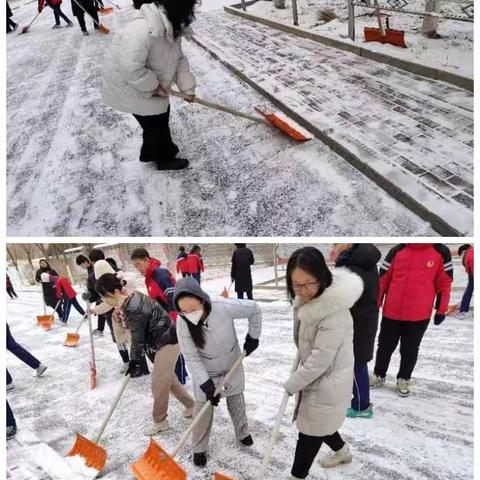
(373, 35)
(72, 340)
(104, 29)
(221, 476)
(94, 455)
(225, 294)
(106, 10)
(395, 37)
(287, 126)
(157, 464)
(44, 319)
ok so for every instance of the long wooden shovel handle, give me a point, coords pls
(112, 408)
(94, 21)
(81, 323)
(56, 306)
(92, 346)
(208, 405)
(222, 108)
(277, 426)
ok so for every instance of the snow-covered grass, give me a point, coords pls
(452, 52)
(73, 169)
(428, 436)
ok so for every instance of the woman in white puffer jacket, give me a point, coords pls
(141, 65)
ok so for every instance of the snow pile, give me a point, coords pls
(452, 52)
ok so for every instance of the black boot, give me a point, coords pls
(200, 459)
(247, 441)
(175, 164)
(144, 366)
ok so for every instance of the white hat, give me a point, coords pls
(45, 277)
(102, 267)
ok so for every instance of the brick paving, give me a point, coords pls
(416, 132)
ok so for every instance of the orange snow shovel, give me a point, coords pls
(46, 321)
(393, 37)
(73, 339)
(25, 29)
(285, 125)
(452, 308)
(95, 455)
(226, 293)
(221, 476)
(106, 10)
(156, 463)
(101, 27)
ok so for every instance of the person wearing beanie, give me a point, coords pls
(209, 343)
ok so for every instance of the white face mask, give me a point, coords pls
(194, 317)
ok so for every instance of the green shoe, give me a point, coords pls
(367, 413)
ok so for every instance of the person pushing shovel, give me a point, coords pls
(139, 68)
(208, 341)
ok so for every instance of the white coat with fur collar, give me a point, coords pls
(323, 333)
(144, 54)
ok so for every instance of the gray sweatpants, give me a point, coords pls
(237, 410)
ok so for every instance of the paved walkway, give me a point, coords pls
(415, 132)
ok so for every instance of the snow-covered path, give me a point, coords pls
(72, 162)
(415, 133)
(428, 436)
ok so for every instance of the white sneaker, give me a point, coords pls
(10, 386)
(188, 413)
(125, 367)
(461, 315)
(403, 387)
(376, 381)
(155, 428)
(342, 456)
(41, 370)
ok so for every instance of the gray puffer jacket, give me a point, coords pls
(150, 326)
(221, 348)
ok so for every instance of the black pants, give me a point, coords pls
(308, 448)
(410, 335)
(185, 274)
(57, 12)
(10, 417)
(53, 302)
(81, 19)
(11, 292)
(248, 292)
(21, 353)
(157, 144)
(10, 25)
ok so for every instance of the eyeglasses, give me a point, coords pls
(297, 287)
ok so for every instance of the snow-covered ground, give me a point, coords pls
(428, 436)
(453, 52)
(72, 166)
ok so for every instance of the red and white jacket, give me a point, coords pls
(414, 280)
(468, 261)
(63, 288)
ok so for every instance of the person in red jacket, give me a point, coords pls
(65, 292)
(414, 280)
(160, 285)
(195, 263)
(57, 11)
(466, 252)
(182, 262)
(10, 290)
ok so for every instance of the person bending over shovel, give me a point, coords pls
(209, 343)
(152, 332)
(140, 67)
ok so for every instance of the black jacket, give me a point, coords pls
(48, 288)
(150, 326)
(362, 259)
(241, 273)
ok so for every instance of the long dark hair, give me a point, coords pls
(312, 261)
(179, 12)
(197, 332)
(108, 283)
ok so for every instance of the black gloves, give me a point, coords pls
(250, 345)
(135, 368)
(209, 389)
(438, 319)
